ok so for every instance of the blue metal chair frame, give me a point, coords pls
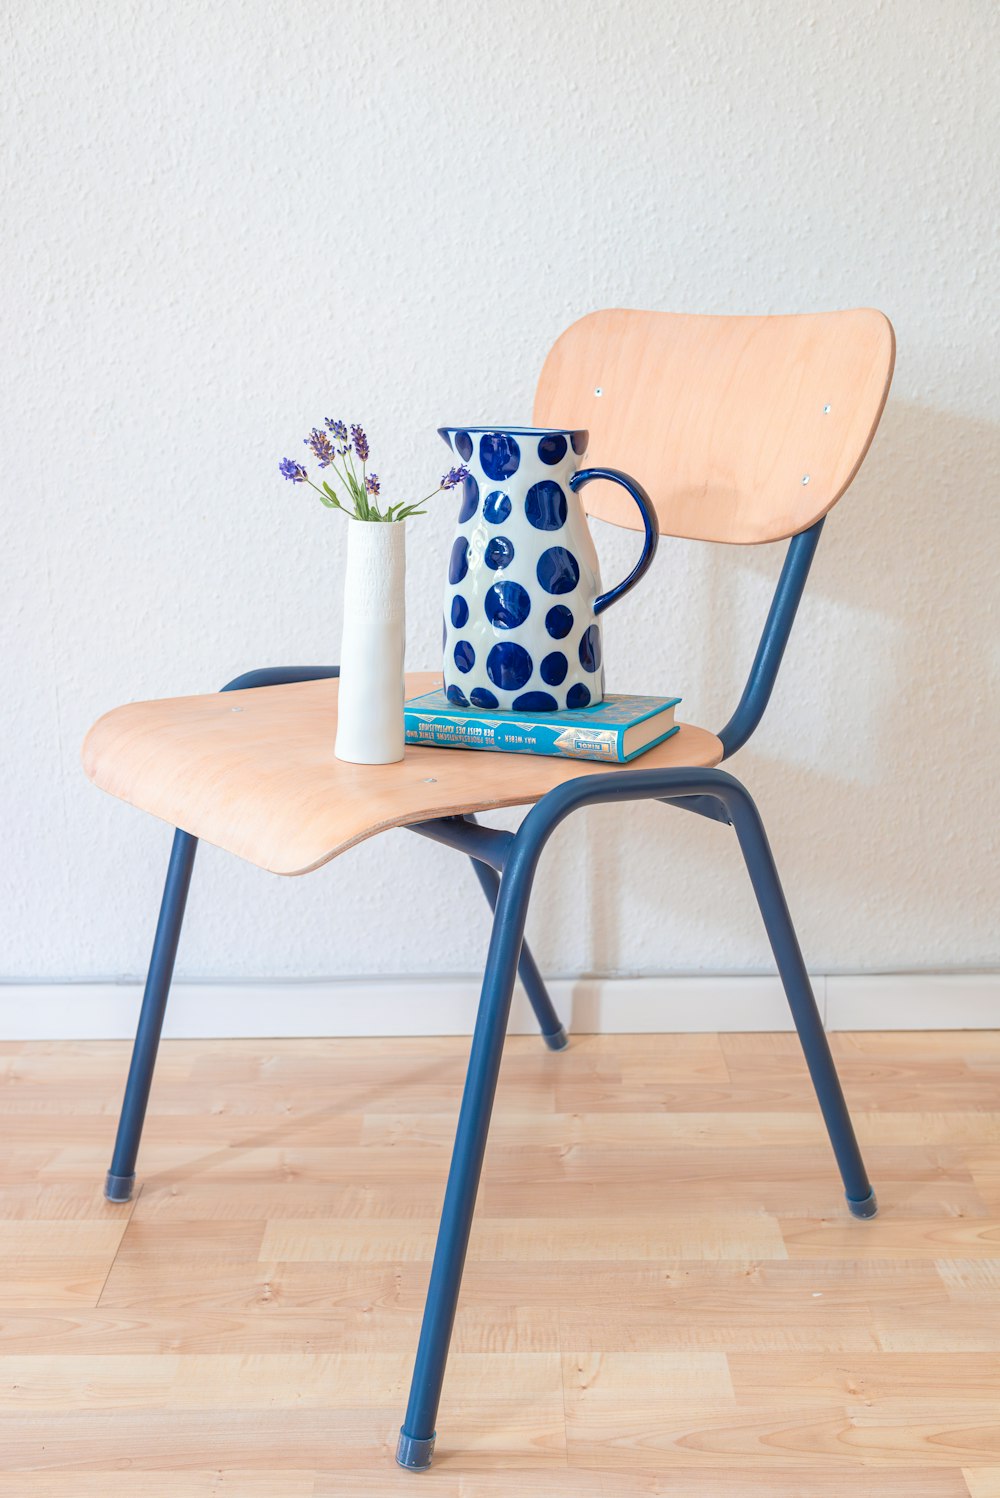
(505, 864)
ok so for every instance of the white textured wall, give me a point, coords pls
(224, 222)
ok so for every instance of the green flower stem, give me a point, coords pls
(350, 482)
(331, 504)
(359, 496)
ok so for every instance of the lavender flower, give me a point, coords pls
(321, 445)
(339, 430)
(453, 477)
(359, 491)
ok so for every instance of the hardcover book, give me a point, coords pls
(616, 730)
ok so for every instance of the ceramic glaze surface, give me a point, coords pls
(370, 714)
(519, 623)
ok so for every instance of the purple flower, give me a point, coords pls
(337, 428)
(321, 445)
(372, 484)
(289, 469)
(360, 442)
(453, 477)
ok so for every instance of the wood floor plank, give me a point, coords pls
(717, 1482)
(798, 1436)
(371, 1327)
(210, 1483)
(946, 1044)
(665, 1293)
(736, 1236)
(273, 1380)
(29, 1238)
(640, 1182)
(887, 1383)
(973, 1327)
(983, 1482)
(617, 1130)
(502, 1430)
(892, 1238)
(58, 1261)
(550, 1482)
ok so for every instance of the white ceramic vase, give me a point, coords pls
(370, 709)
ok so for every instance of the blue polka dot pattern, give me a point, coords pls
(499, 552)
(557, 570)
(465, 656)
(507, 605)
(559, 621)
(545, 506)
(459, 564)
(590, 648)
(521, 635)
(536, 702)
(509, 666)
(470, 499)
(496, 507)
(553, 668)
(499, 455)
(552, 449)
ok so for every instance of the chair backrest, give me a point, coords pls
(742, 429)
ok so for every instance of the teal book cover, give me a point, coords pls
(616, 730)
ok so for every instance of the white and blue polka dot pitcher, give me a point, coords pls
(521, 606)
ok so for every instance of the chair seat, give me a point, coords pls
(254, 772)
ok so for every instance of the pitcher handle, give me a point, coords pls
(648, 514)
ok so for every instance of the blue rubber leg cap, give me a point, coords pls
(559, 1041)
(414, 1454)
(119, 1188)
(868, 1207)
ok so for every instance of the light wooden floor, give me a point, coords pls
(665, 1292)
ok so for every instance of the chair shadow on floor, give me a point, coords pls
(448, 1071)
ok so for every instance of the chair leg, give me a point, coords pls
(417, 1433)
(121, 1176)
(553, 1031)
(802, 1002)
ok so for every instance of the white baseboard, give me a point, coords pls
(447, 1006)
(913, 1001)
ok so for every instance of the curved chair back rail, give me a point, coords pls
(742, 429)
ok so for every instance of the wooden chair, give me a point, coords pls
(743, 429)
